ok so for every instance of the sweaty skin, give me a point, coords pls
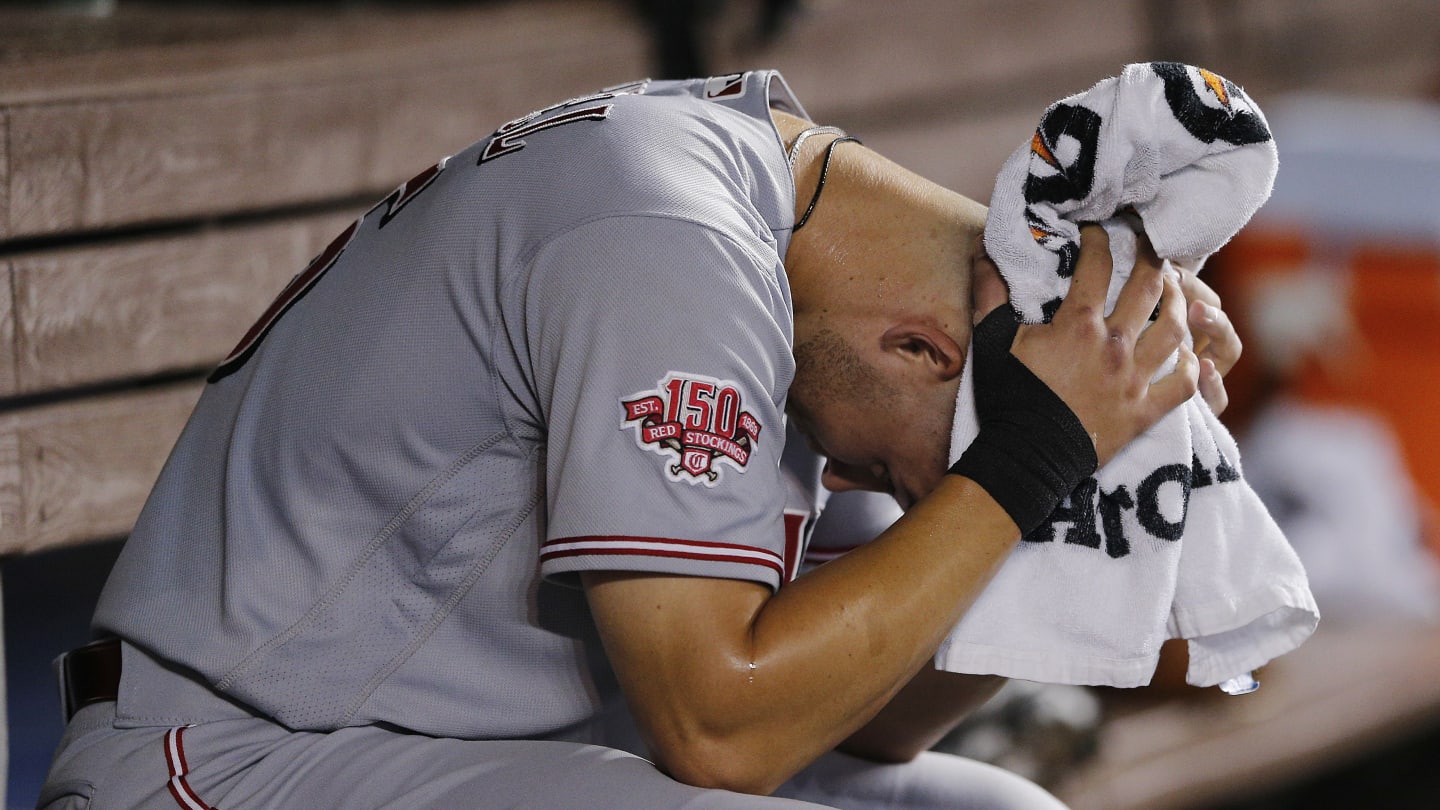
(737, 687)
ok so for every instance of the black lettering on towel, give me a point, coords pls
(1094, 518)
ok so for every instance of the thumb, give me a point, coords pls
(987, 288)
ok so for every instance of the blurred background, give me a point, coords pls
(166, 166)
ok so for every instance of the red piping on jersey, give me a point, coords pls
(180, 789)
(794, 542)
(823, 555)
(685, 549)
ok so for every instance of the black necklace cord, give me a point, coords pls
(824, 167)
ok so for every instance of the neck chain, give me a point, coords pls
(824, 167)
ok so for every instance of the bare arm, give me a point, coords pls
(930, 706)
(735, 687)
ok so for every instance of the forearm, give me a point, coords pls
(811, 664)
(863, 625)
(930, 706)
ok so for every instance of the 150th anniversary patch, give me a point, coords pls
(697, 423)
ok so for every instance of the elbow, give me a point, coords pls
(718, 764)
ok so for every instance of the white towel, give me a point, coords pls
(1167, 540)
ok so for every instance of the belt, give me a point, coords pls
(88, 674)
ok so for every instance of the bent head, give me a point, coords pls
(881, 282)
(879, 428)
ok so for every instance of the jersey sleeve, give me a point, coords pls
(851, 519)
(660, 350)
(825, 525)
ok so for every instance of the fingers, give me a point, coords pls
(1211, 329)
(1194, 288)
(1212, 387)
(1167, 333)
(1142, 290)
(1086, 298)
(1217, 344)
(1172, 390)
(1215, 336)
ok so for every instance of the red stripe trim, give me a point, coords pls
(620, 538)
(180, 752)
(831, 553)
(774, 565)
(794, 542)
(180, 789)
(170, 762)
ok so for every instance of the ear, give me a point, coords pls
(936, 353)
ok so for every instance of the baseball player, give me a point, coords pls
(495, 506)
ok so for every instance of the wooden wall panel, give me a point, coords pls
(7, 332)
(317, 134)
(81, 470)
(87, 166)
(146, 50)
(421, 121)
(46, 170)
(4, 173)
(125, 310)
(1270, 45)
(11, 535)
(963, 154)
(853, 61)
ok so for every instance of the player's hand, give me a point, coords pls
(1216, 342)
(1102, 366)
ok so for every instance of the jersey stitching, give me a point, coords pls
(441, 612)
(528, 262)
(421, 497)
(529, 258)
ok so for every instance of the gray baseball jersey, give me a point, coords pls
(566, 348)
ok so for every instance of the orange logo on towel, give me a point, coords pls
(1038, 147)
(1216, 85)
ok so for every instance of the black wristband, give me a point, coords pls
(1032, 450)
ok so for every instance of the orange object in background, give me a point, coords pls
(1395, 301)
(1390, 363)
